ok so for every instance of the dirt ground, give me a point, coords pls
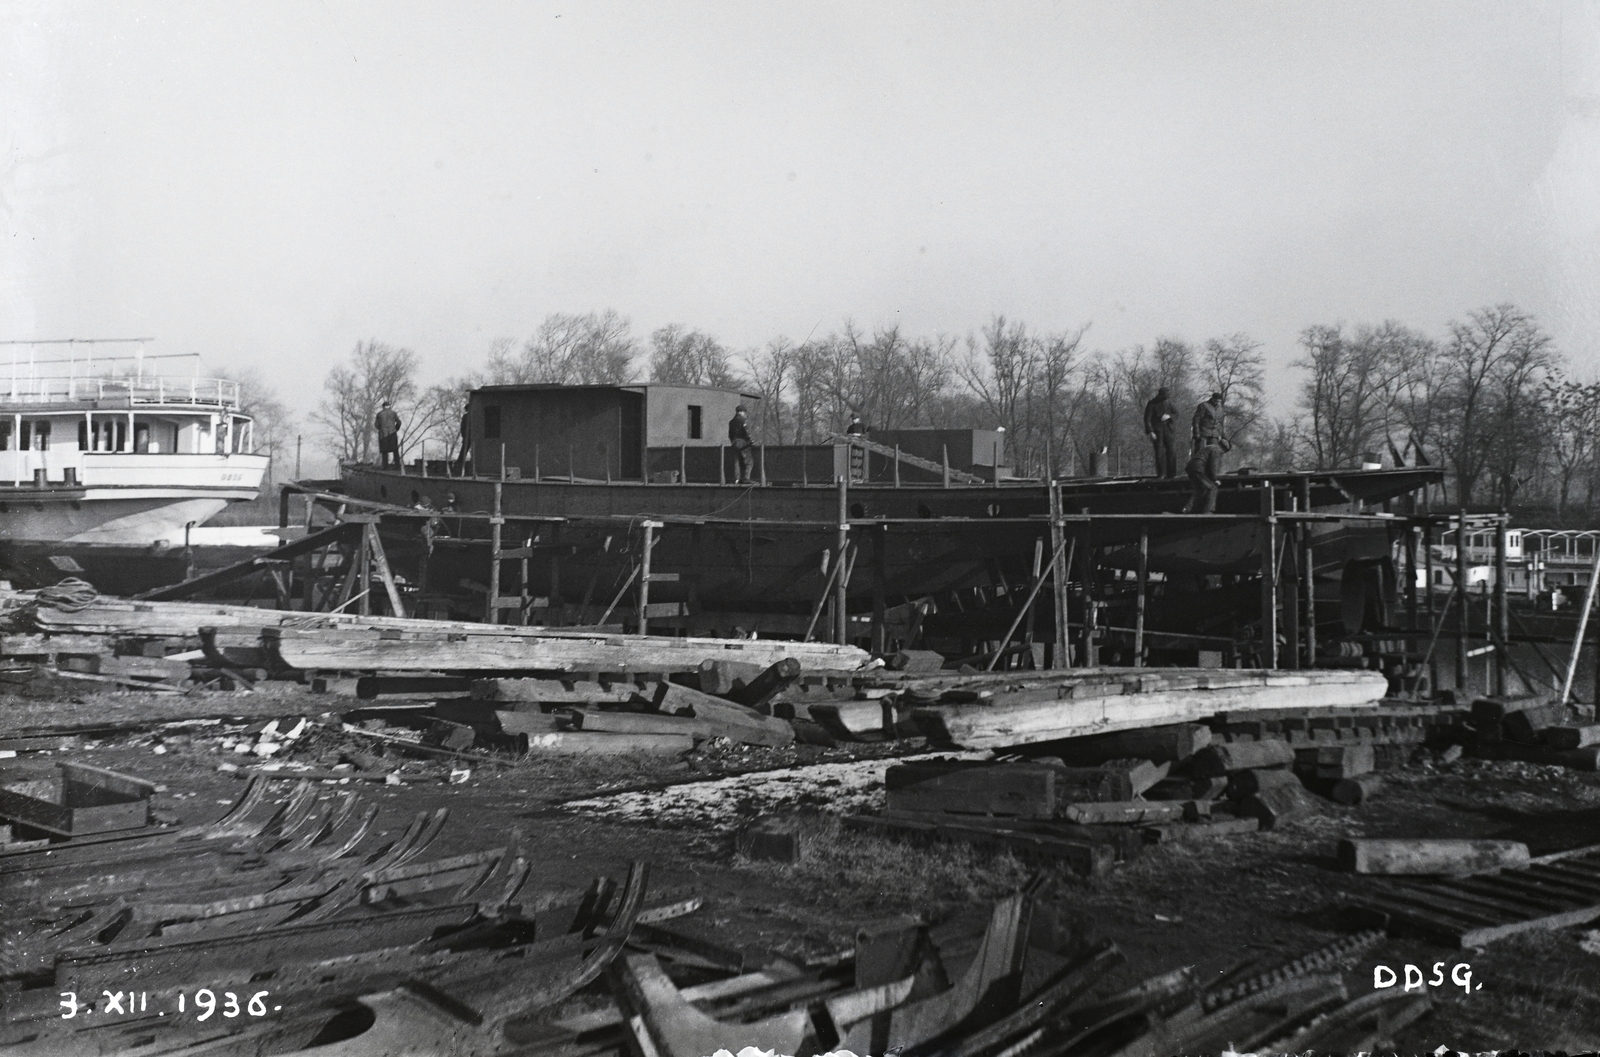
(1263, 898)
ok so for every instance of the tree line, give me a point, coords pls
(1488, 399)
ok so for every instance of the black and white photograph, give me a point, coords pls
(1054, 528)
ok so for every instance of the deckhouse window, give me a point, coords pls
(35, 436)
(696, 424)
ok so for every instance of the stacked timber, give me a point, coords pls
(163, 644)
(1535, 729)
(990, 712)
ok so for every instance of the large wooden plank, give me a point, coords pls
(1021, 720)
(567, 653)
(973, 788)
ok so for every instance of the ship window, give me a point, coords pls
(83, 436)
(35, 436)
(5, 435)
(695, 422)
(491, 422)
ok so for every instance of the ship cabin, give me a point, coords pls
(78, 432)
(678, 434)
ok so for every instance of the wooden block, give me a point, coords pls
(443, 734)
(724, 718)
(1124, 812)
(1571, 737)
(1524, 724)
(1167, 744)
(1205, 829)
(528, 722)
(913, 661)
(1277, 804)
(1113, 780)
(1488, 712)
(771, 840)
(1221, 758)
(766, 684)
(1335, 762)
(1428, 856)
(1244, 783)
(855, 720)
(1174, 789)
(598, 722)
(719, 676)
(1357, 790)
(1083, 859)
(973, 787)
(571, 742)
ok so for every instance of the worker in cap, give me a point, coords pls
(739, 440)
(1207, 423)
(1161, 426)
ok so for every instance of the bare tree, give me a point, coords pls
(1234, 367)
(770, 371)
(1573, 413)
(1344, 405)
(690, 357)
(376, 373)
(274, 423)
(590, 349)
(999, 372)
(1496, 360)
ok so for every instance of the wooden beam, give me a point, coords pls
(1269, 581)
(381, 560)
(1139, 602)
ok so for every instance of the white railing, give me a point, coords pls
(198, 392)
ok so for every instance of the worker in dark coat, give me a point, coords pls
(856, 428)
(1207, 423)
(739, 440)
(388, 425)
(465, 455)
(1161, 425)
(1205, 466)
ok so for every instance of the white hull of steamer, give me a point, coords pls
(127, 520)
(121, 461)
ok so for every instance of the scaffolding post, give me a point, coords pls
(1269, 580)
(645, 575)
(1502, 616)
(1061, 656)
(492, 608)
(840, 584)
(880, 576)
(1463, 611)
(1308, 579)
(1091, 619)
(1427, 574)
(1139, 602)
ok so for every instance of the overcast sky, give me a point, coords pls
(269, 182)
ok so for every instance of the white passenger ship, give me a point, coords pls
(120, 460)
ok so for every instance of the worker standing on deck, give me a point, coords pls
(1161, 423)
(388, 424)
(1205, 466)
(466, 441)
(739, 439)
(1207, 424)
